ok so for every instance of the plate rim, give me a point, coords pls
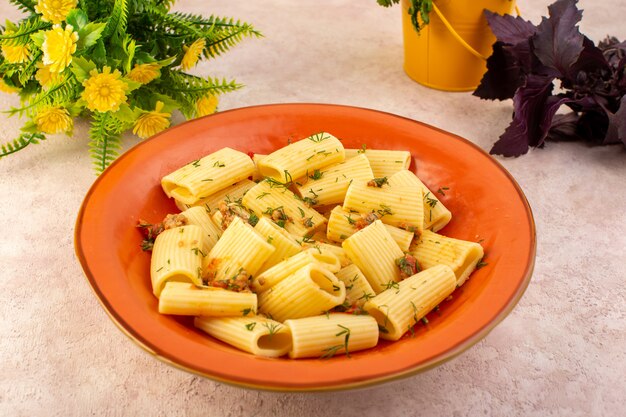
(445, 356)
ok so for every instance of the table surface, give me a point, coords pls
(560, 352)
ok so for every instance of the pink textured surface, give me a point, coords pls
(561, 352)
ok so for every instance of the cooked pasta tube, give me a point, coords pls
(384, 163)
(231, 255)
(198, 216)
(284, 244)
(184, 299)
(257, 334)
(205, 176)
(272, 276)
(329, 185)
(310, 291)
(230, 194)
(294, 160)
(436, 215)
(461, 255)
(358, 289)
(397, 206)
(399, 308)
(338, 251)
(283, 207)
(256, 158)
(374, 251)
(342, 224)
(332, 334)
(177, 256)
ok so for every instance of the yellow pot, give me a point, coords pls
(450, 52)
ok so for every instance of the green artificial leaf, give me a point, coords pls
(169, 104)
(132, 85)
(30, 127)
(89, 35)
(77, 18)
(126, 114)
(37, 38)
(99, 53)
(81, 67)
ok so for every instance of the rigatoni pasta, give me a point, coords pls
(181, 298)
(322, 252)
(375, 252)
(460, 255)
(329, 185)
(399, 308)
(177, 256)
(436, 215)
(257, 334)
(384, 163)
(329, 335)
(396, 206)
(294, 160)
(310, 291)
(205, 176)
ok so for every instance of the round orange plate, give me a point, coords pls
(486, 203)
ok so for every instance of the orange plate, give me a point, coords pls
(485, 201)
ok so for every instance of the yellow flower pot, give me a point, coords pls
(450, 52)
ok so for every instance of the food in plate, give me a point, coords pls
(326, 251)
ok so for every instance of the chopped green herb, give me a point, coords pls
(318, 137)
(263, 194)
(316, 175)
(250, 326)
(219, 164)
(363, 149)
(432, 202)
(378, 182)
(196, 163)
(253, 219)
(272, 328)
(207, 179)
(247, 311)
(442, 190)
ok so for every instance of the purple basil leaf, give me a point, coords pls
(591, 63)
(616, 130)
(558, 42)
(510, 29)
(503, 75)
(593, 127)
(534, 109)
(563, 127)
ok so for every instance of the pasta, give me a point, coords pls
(323, 252)
(283, 207)
(332, 334)
(436, 215)
(177, 256)
(230, 257)
(309, 291)
(295, 160)
(373, 250)
(329, 185)
(257, 334)
(399, 308)
(396, 206)
(460, 255)
(207, 175)
(384, 163)
(181, 298)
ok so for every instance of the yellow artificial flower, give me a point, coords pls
(45, 77)
(54, 120)
(192, 54)
(14, 54)
(6, 88)
(144, 73)
(55, 11)
(104, 91)
(152, 122)
(206, 105)
(58, 47)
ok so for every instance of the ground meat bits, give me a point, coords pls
(174, 220)
(239, 282)
(365, 220)
(408, 266)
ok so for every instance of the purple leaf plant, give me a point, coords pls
(526, 62)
